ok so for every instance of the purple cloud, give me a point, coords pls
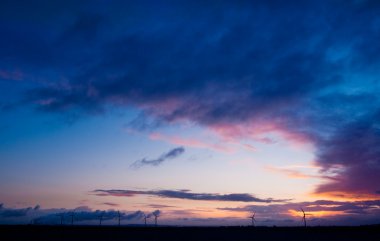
(164, 157)
(111, 204)
(180, 194)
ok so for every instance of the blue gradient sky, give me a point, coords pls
(205, 111)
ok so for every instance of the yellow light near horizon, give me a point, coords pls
(344, 196)
(296, 213)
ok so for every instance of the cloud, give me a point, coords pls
(190, 142)
(138, 215)
(321, 212)
(85, 215)
(155, 213)
(185, 194)
(160, 206)
(9, 212)
(11, 75)
(291, 172)
(164, 157)
(326, 209)
(299, 70)
(81, 215)
(353, 155)
(111, 204)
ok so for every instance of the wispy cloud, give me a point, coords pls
(294, 172)
(185, 194)
(190, 142)
(11, 75)
(111, 204)
(164, 157)
(160, 206)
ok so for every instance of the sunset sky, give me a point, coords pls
(205, 110)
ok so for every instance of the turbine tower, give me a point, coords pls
(156, 215)
(145, 217)
(304, 217)
(61, 215)
(101, 219)
(72, 217)
(253, 219)
(119, 216)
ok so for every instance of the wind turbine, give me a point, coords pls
(72, 217)
(101, 218)
(119, 216)
(156, 215)
(304, 217)
(145, 217)
(61, 215)
(253, 219)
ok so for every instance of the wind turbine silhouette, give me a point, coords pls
(253, 219)
(101, 218)
(119, 216)
(61, 215)
(145, 217)
(72, 217)
(304, 217)
(156, 215)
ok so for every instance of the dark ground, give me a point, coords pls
(106, 233)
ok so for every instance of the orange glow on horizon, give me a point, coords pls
(296, 213)
(344, 196)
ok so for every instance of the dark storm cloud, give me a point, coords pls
(164, 157)
(300, 66)
(179, 194)
(355, 148)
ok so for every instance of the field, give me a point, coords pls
(107, 233)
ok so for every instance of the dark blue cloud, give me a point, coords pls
(299, 65)
(164, 157)
(79, 215)
(87, 216)
(9, 212)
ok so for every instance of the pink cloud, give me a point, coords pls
(46, 102)
(190, 142)
(292, 172)
(259, 131)
(11, 75)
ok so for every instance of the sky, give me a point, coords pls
(202, 112)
